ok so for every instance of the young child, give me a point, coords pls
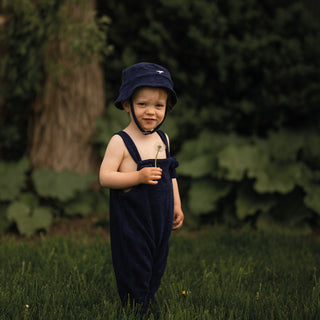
(144, 197)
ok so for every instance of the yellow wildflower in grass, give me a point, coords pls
(186, 292)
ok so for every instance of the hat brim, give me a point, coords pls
(127, 91)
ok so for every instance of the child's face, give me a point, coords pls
(149, 106)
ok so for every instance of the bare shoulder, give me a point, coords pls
(115, 149)
(116, 141)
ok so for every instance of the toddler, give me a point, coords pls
(140, 172)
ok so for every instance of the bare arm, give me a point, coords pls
(178, 215)
(111, 177)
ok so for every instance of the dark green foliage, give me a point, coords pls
(29, 220)
(60, 185)
(247, 66)
(247, 75)
(55, 193)
(28, 56)
(13, 179)
(259, 174)
(31, 42)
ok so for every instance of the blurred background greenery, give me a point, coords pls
(245, 129)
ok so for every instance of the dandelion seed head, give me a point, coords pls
(159, 147)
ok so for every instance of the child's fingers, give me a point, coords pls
(178, 222)
(177, 226)
(150, 175)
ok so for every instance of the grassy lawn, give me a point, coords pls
(223, 275)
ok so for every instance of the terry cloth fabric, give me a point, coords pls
(140, 224)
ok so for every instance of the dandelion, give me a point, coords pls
(26, 311)
(186, 292)
(159, 148)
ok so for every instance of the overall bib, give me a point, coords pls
(140, 224)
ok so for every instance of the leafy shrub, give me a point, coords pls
(29, 220)
(246, 66)
(29, 199)
(13, 179)
(60, 185)
(31, 202)
(259, 174)
(247, 76)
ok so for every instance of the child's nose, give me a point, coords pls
(150, 110)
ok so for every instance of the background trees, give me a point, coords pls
(52, 93)
(245, 129)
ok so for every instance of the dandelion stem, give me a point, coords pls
(155, 160)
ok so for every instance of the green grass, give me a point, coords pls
(229, 275)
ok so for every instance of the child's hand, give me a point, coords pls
(178, 218)
(150, 175)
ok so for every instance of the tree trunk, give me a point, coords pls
(63, 118)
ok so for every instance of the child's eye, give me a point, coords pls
(160, 105)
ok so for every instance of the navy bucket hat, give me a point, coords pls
(144, 74)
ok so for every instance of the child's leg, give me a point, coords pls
(159, 266)
(133, 270)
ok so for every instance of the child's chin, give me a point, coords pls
(148, 128)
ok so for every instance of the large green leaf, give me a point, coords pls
(60, 185)
(193, 148)
(82, 205)
(200, 166)
(283, 145)
(28, 221)
(198, 157)
(41, 218)
(275, 177)
(238, 159)
(204, 194)
(13, 179)
(312, 198)
(248, 202)
(17, 211)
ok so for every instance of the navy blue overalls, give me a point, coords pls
(140, 224)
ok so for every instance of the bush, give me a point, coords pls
(247, 76)
(30, 198)
(63, 193)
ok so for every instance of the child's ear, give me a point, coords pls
(126, 105)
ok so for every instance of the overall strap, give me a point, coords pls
(130, 146)
(165, 141)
